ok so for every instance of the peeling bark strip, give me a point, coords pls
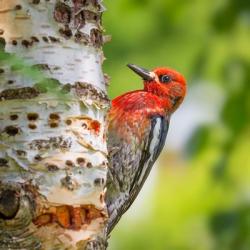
(53, 156)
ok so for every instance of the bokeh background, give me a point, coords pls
(198, 195)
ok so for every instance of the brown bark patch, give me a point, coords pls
(62, 13)
(19, 93)
(66, 32)
(81, 161)
(68, 216)
(82, 38)
(69, 163)
(52, 167)
(89, 165)
(53, 124)
(91, 16)
(96, 38)
(92, 212)
(32, 116)
(87, 91)
(54, 116)
(43, 219)
(32, 126)
(52, 143)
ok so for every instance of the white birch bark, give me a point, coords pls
(53, 157)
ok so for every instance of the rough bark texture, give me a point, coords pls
(53, 157)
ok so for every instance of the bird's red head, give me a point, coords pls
(168, 84)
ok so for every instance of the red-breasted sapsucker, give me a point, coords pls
(138, 126)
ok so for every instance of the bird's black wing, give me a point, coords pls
(147, 154)
(154, 146)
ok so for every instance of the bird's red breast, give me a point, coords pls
(130, 113)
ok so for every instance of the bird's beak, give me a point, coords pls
(144, 73)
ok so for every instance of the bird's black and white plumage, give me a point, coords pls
(132, 153)
(138, 126)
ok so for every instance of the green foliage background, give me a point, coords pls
(202, 203)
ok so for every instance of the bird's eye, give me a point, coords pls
(165, 78)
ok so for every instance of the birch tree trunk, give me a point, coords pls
(53, 157)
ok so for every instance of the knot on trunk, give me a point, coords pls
(9, 203)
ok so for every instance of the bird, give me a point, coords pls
(138, 123)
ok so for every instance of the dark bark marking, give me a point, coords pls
(32, 126)
(27, 43)
(52, 167)
(11, 130)
(14, 42)
(41, 67)
(21, 153)
(19, 93)
(45, 39)
(53, 124)
(89, 165)
(62, 13)
(91, 16)
(10, 82)
(54, 39)
(13, 117)
(82, 38)
(18, 7)
(87, 91)
(66, 32)
(36, 1)
(54, 116)
(3, 162)
(99, 182)
(68, 183)
(32, 116)
(80, 161)
(68, 122)
(38, 157)
(96, 38)
(35, 39)
(69, 163)
(51, 143)
(2, 43)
